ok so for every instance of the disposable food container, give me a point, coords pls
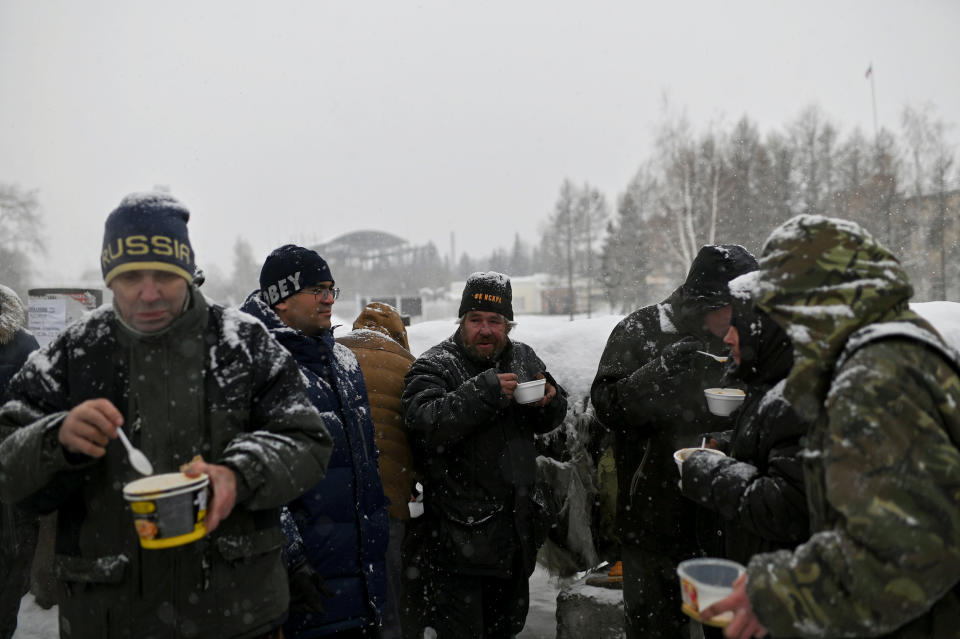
(723, 401)
(168, 509)
(705, 581)
(528, 392)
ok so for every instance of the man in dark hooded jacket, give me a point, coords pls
(474, 445)
(649, 392)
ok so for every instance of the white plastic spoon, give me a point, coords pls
(138, 460)
(716, 357)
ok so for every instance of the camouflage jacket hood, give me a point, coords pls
(822, 279)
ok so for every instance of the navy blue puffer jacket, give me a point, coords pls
(342, 521)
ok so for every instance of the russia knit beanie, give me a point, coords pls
(489, 291)
(147, 231)
(288, 270)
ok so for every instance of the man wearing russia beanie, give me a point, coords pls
(187, 380)
(337, 531)
(476, 543)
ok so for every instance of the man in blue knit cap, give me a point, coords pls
(187, 380)
(337, 531)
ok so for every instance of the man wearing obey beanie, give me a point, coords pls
(337, 531)
(183, 377)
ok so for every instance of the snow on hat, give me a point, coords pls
(712, 269)
(489, 291)
(288, 270)
(147, 231)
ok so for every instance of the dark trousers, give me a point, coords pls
(19, 539)
(651, 595)
(469, 606)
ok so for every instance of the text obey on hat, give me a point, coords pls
(275, 292)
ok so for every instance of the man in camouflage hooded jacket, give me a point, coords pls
(882, 466)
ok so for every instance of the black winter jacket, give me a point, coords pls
(475, 448)
(758, 490)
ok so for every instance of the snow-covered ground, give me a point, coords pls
(571, 351)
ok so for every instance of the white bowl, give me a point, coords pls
(723, 401)
(681, 455)
(528, 392)
(706, 581)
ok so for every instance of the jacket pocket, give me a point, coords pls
(92, 570)
(235, 548)
(476, 534)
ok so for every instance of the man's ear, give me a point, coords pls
(280, 308)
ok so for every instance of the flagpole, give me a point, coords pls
(873, 95)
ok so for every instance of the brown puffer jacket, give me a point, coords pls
(379, 340)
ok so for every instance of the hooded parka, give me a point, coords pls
(379, 342)
(882, 464)
(340, 523)
(213, 384)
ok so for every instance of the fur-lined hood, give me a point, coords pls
(13, 315)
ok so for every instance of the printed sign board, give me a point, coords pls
(49, 310)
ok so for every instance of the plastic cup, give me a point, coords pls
(528, 392)
(706, 581)
(723, 401)
(169, 509)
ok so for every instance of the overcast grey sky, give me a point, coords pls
(300, 121)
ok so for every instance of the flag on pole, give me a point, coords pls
(869, 71)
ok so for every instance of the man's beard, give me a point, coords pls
(498, 347)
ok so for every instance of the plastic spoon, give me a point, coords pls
(138, 460)
(716, 357)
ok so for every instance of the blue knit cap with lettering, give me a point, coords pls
(489, 291)
(148, 231)
(288, 270)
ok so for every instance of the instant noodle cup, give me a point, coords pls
(723, 401)
(169, 509)
(704, 582)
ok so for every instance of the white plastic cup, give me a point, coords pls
(723, 401)
(528, 392)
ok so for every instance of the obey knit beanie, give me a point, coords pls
(147, 231)
(288, 270)
(488, 291)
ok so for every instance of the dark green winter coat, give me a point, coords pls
(215, 384)
(882, 467)
(475, 448)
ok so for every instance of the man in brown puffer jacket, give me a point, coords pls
(379, 340)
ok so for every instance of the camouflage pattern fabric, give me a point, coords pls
(881, 464)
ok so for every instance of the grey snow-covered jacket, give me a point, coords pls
(213, 384)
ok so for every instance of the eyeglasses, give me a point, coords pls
(320, 292)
